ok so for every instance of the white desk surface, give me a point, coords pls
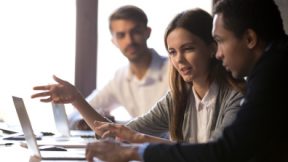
(19, 154)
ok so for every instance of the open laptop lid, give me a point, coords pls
(31, 139)
(26, 126)
(61, 120)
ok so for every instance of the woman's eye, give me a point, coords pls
(218, 40)
(171, 53)
(189, 49)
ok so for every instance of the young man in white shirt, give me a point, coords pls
(142, 82)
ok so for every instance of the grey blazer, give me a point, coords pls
(156, 121)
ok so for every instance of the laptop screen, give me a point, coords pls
(32, 142)
(61, 120)
(26, 126)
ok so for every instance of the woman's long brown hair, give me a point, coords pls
(199, 23)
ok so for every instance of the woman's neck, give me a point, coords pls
(201, 87)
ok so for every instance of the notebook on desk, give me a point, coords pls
(32, 142)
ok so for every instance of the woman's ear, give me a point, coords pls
(251, 38)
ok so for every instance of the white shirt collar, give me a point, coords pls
(209, 98)
(152, 73)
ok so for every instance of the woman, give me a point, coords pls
(204, 98)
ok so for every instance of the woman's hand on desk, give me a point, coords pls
(121, 132)
(63, 92)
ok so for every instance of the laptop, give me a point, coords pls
(32, 142)
(62, 125)
(61, 119)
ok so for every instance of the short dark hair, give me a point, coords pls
(129, 12)
(262, 16)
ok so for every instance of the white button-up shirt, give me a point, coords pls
(205, 109)
(137, 96)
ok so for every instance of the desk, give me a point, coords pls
(16, 152)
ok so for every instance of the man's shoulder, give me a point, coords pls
(162, 59)
(156, 55)
(122, 72)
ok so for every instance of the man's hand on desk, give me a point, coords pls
(111, 151)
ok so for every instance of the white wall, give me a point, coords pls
(37, 39)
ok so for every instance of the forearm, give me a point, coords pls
(88, 113)
(142, 138)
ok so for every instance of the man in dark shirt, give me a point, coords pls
(251, 42)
